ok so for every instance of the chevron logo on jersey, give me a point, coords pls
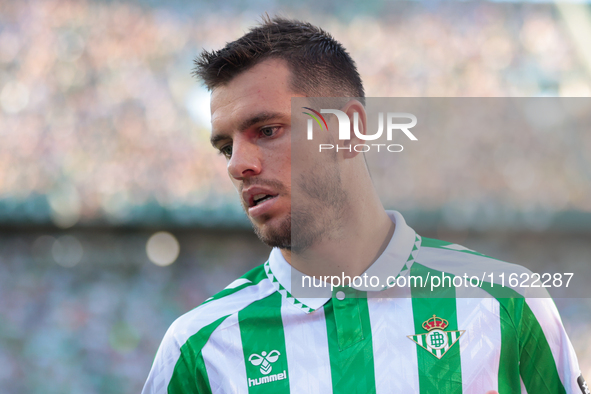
(264, 360)
(436, 341)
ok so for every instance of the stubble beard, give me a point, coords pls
(275, 238)
(318, 214)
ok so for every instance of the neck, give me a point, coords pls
(362, 238)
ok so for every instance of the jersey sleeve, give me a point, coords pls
(164, 364)
(179, 367)
(548, 363)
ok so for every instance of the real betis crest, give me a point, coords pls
(436, 341)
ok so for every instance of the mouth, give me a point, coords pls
(260, 204)
(261, 198)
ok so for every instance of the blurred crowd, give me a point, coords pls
(99, 112)
(93, 325)
(101, 118)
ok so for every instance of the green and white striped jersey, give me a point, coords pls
(255, 337)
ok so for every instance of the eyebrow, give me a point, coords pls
(253, 120)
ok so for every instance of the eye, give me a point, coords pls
(226, 151)
(269, 131)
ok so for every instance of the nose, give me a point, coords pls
(245, 161)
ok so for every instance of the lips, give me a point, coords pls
(259, 198)
(256, 195)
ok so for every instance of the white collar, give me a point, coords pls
(396, 259)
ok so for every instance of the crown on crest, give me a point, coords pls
(435, 322)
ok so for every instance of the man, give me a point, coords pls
(256, 336)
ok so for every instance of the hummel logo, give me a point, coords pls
(264, 359)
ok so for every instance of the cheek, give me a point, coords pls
(283, 173)
(235, 182)
(279, 161)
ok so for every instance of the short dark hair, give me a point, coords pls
(320, 65)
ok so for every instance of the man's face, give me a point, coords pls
(251, 125)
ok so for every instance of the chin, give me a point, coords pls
(274, 232)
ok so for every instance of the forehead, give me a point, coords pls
(263, 88)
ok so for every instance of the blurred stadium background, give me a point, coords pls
(116, 216)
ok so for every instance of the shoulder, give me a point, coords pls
(477, 275)
(517, 289)
(459, 260)
(439, 250)
(250, 287)
(185, 338)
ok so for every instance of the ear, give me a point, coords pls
(351, 108)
